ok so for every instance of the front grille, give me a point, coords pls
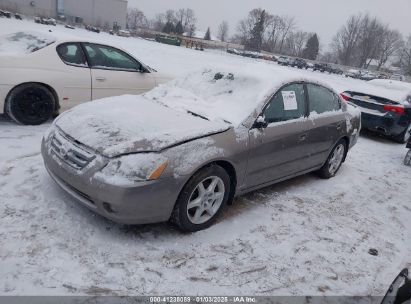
(69, 152)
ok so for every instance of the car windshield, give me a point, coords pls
(24, 43)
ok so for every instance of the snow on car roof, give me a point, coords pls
(24, 43)
(230, 95)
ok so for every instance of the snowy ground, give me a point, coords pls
(305, 236)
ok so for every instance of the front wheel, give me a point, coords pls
(334, 161)
(30, 104)
(202, 199)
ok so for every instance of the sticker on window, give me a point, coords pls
(289, 100)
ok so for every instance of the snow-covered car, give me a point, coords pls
(397, 77)
(182, 151)
(385, 106)
(41, 75)
(285, 61)
(353, 73)
(124, 33)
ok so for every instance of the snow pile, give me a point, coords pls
(24, 43)
(128, 124)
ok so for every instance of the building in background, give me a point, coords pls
(101, 13)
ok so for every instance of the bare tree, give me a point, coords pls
(171, 16)
(275, 24)
(406, 56)
(158, 22)
(346, 40)
(223, 31)
(391, 42)
(136, 19)
(188, 20)
(287, 26)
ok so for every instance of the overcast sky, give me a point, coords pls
(321, 16)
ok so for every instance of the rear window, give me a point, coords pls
(24, 43)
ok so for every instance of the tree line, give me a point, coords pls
(362, 40)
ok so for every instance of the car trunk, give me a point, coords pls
(370, 104)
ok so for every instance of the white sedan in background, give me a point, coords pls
(41, 75)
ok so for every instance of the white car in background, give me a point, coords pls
(41, 75)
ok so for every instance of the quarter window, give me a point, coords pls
(105, 57)
(322, 100)
(287, 104)
(72, 54)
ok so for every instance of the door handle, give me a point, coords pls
(101, 78)
(339, 126)
(302, 137)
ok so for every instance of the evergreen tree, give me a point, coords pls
(179, 28)
(256, 41)
(207, 35)
(312, 48)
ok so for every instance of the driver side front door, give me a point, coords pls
(278, 150)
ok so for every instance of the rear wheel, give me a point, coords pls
(30, 104)
(407, 159)
(334, 161)
(404, 136)
(202, 199)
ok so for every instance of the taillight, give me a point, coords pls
(396, 109)
(345, 96)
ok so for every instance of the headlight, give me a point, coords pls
(133, 168)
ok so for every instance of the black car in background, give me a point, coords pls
(382, 115)
(322, 67)
(299, 63)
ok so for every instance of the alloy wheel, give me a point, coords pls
(336, 159)
(205, 200)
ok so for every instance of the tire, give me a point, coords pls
(194, 218)
(407, 159)
(404, 136)
(30, 104)
(334, 161)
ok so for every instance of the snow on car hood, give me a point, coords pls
(131, 124)
(24, 43)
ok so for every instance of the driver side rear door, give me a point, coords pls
(114, 72)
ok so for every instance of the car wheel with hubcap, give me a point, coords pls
(202, 199)
(334, 161)
(30, 104)
(404, 136)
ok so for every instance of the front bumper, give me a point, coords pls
(388, 124)
(142, 203)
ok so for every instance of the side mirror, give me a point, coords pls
(260, 123)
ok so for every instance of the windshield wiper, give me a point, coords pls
(197, 115)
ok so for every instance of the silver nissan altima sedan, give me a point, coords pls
(184, 150)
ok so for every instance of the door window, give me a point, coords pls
(287, 104)
(72, 54)
(105, 57)
(322, 100)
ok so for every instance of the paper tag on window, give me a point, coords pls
(290, 100)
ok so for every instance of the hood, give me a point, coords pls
(132, 124)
